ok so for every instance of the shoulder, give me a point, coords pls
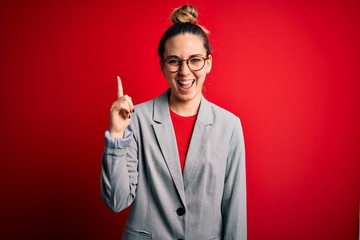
(225, 125)
(147, 110)
(222, 112)
(144, 106)
(224, 120)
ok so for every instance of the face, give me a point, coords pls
(186, 84)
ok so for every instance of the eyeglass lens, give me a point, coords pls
(194, 63)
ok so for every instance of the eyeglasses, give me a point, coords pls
(174, 64)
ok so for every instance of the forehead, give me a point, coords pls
(184, 45)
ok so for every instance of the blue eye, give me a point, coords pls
(173, 61)
(195, 60)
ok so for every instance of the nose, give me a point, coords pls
(184, 69)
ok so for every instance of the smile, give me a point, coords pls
(186, 84)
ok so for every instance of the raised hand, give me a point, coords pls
(120, 112)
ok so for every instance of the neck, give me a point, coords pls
(185, 108)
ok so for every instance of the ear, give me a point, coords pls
(208, 64)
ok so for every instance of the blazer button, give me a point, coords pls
(180, 211)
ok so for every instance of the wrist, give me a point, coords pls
(116, 134)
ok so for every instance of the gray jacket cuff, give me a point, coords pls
(118, 142)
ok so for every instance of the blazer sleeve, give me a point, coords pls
(234, 197)
(119, 174)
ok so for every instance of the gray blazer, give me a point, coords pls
(205, 201)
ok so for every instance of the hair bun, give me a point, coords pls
(184, 14)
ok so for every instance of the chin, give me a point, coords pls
(188, 96)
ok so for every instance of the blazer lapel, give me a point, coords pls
(199, 141)
(165, 135)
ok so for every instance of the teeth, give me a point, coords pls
(185, 82)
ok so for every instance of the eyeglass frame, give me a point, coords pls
(184, 60)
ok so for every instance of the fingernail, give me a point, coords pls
(129, 116)
(133, 110)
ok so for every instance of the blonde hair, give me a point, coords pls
(186, 14)
(184, 20)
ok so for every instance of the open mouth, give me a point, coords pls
(186, 84)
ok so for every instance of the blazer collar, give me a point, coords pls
(166, 137)
(162, 114)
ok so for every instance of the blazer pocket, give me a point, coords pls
(135, 234)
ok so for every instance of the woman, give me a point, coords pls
(178, 160)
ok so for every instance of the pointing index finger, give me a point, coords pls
(120, 90)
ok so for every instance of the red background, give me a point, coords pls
(288, 69)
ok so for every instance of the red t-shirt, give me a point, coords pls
(183, 128)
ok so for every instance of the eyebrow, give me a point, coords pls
(193, 55)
